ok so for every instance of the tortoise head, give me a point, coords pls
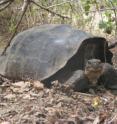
(93, 70)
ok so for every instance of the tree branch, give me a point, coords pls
(114, 8)
(59, 4)
(4, 2)
(26, 2)
(5, 6)
(42, 7)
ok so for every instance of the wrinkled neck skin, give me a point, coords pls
(93, 76)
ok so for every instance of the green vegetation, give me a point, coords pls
(89, 15)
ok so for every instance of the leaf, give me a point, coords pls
(87, 8)
(5, 122)
(102, 24)
(96, 102)
(108, 30)
(113, 1)
(88, 2)
(38, 85)
(94, 1)
(97, 120)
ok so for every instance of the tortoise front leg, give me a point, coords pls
(109, 76)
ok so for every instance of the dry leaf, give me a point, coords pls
(38, 85)
(27, 96)
(10, 96)
(97, 120)
(96, 102)
(5, 122)
(20, 87)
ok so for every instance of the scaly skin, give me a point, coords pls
(93, 70)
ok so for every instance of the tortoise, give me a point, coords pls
(52, 52)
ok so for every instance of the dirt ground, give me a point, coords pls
(31, 103)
